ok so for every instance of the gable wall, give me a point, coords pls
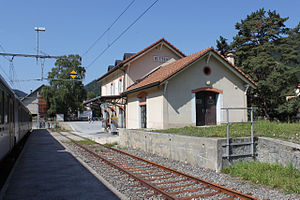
(146, 63)
(179, 101)
(31, 103)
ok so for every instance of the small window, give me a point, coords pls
(112, 88)
(206, 70)
(120, 89)
(6, 106)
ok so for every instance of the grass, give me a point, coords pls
(59, 129)
(111, 144)
(274, 175)
(285, 131)
(86, 141)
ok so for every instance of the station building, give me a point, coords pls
(160, 87)
(36, 104)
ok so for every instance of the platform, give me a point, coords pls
(92, 131)
(46, 170)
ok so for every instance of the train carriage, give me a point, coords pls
(15, 119)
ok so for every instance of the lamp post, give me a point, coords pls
(38, 29)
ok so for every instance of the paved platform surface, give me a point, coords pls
(47, 171)
(93, 131)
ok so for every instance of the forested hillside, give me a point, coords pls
(92, 89)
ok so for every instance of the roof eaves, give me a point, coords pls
(111, 71)
(32, 92)
(180, 52)
(186, 66)
(141, 88)
(139, 53)
(237, 69)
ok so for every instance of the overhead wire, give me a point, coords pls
(4, 72)
(101, 36)
(117, 38)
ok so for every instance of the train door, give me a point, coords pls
(11, 122)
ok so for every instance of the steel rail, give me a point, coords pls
(232, 193)
(215, 186)
(121, 169)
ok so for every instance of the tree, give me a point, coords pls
(264, 50)
(222, 46)
(90, 95)
(65, 95)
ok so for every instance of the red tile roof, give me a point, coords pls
(164, 72)
(149, 47)
(139, 53)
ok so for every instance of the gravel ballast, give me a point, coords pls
(123, 183)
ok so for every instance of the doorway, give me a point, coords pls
(205, 108)
(143, 116)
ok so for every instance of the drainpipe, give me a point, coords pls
(124, 108)
(246, 103)
(165, 87)
(247, 87)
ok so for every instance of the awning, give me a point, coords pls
(112, 100)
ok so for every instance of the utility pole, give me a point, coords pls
(38, 29)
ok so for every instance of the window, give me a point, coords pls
(112, 88)
(120, 86)
(104, 90)
(206, 70)
(6, 106)
(143, 109)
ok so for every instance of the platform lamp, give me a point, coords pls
(38, 29)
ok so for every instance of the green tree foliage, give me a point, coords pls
(91, 94)
(266, 50)
(223, 46)
(93, 86)
(65, 95)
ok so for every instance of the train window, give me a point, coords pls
(1, 107)
(6, 106)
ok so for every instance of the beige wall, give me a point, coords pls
(154, 109)
(132, 109)
(173, 104)
(136, 69)
(115, 79)
(146, 63)
(31, 103)
(179, 97)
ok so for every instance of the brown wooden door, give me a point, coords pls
(205, 108)
(143, 117)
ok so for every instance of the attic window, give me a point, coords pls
(206, 70)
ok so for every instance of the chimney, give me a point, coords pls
(30, 91)
(230, 58)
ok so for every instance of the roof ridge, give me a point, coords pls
(168, 71)
(202, 52)
(237, 68)
(140, 52)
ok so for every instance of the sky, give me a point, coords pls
(73, 26)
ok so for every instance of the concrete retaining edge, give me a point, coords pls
(207, 152)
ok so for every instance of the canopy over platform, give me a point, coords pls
(116, 100)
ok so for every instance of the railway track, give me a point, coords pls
(160, 181)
